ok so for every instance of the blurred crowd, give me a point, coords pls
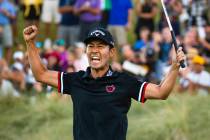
(143, 40)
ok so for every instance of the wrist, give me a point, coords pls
(30, 43)
(175, 66)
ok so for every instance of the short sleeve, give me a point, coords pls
(137, 90)
(65, 82)
(96, 4)
(78, 3)
(129, 4)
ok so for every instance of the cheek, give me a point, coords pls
(106, 55)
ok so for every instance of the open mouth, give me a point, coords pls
(95, 59)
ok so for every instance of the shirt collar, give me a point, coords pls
(87, 73)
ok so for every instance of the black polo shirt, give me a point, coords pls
(100, 105)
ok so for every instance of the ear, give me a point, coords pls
(86, 49)
(112, 52)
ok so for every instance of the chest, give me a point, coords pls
(100, 94)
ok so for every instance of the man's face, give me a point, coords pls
(99, 54)
(197, 68)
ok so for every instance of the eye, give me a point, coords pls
(89, 46)
(101, 46)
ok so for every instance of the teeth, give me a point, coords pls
(95, 57)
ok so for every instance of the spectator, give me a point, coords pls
(49, 15)
(206, 44)
(106, 7)
(7, 13)
(176, 11)
(196, 10)
(68, 28)
(147, 45)
(197, 80)
(16, 74)
(89, 12)
(63, 54)
(6, 87)
(129, 54)
(81, 61)
(144, 37)
(146, 13)
(1, 35)
(52, 56)
(31, 11)
(120, 20)
(164, 53)
(14, 22)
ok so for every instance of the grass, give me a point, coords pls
(181, 117)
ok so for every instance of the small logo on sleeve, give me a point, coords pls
(110, 88)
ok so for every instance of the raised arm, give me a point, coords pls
(40, 72)
(163, 90)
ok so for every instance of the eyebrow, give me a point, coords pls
(100, 43)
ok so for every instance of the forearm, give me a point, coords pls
(91, 10)
(130, 16)
(66, 9)
(146, 15)
(94, 11)
(169, 81)
(205, 87)
(163, 90)
(35, 61)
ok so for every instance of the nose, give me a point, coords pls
(95, 49)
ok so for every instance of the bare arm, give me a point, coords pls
(41, 73)
(163, 90)
(129, 23)
(14, 76)
(91, 10)
(66, 9)
(8, 14)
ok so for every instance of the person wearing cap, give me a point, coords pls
(197, 80)
(101, 97)
(16, 73)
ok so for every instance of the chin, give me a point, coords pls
(97, 67)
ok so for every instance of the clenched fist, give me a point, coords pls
(178, 57)
(30, 33)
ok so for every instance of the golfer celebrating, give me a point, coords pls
(101, 97)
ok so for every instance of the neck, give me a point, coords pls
(99, 72)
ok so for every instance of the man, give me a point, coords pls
(50, 15)
(31, 11)
(6, 87)
(89, 12)
(101, 97)
(146, 12)
(120, 20)
(68, 27)
(197, 79)
(7, 13)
